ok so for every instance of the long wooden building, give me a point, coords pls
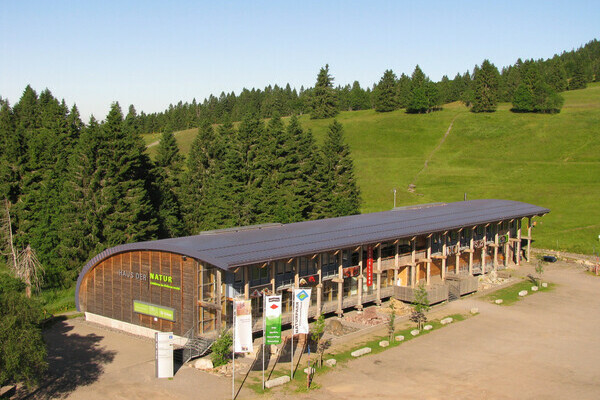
(186, 285)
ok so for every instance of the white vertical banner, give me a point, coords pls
(242, 310)
(164, 354)
(301, 304)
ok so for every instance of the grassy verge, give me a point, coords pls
(58, 300)
(298, 384)
(510, 294)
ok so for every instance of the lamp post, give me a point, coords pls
(394, 190)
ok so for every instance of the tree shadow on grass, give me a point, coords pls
(73, 360)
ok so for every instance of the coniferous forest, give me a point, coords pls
(70, 189)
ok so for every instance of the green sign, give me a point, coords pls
(154, 310)
(272, 319)
(161, 280)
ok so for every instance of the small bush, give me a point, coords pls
(221, 349)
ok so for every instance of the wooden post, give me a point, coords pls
(413, 260)
(272, 266)
(457, 258)
(518, 251)
(507, 252)
(320, 285)
(396, 266)
(496, 242)
(297, 273)
(471, 253)
(428, 256)
(483, 250)
(341, 283)
(218, 296)
(360, 278)
(246, 282)
(378, 300)
(529, 240)
(444, 251)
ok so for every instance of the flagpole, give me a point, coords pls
(263, 344)
(233, 354)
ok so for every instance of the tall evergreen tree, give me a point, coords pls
(404, 94)
(342, 195)
(386, 93)
(578, 81)
(486, 88)
(324, 102)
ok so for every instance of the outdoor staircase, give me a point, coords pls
(193, 348)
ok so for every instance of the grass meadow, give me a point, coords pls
(548, 160)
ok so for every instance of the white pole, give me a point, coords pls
(292, 345)
(394, 198)
(233, 355)
(264, 338)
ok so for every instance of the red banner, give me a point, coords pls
(369, 266)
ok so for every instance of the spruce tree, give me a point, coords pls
(404, 93)
(324, 103)
(341, 192)
(556, 75)
(486, 88)
(578, 81)
(386, 93)
(424, 96)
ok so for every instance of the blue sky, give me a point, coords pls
(151, 54)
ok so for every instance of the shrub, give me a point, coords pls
(221, 349)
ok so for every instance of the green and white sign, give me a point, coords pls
(153, 310)
(272, 319)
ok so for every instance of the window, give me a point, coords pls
(259, 276)
(307, 266)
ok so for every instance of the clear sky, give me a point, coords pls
(151, 54)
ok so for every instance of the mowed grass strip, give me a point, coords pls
(547, 160)
(510, 294)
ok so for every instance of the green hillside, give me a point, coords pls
(548, 160)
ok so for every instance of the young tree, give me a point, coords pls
(317, 336)
(392, 322)
(324, 101)
(486, 88)
(539, 268)
(420, 306)
(386, 93)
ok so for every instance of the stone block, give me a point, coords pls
(446, 321)
(277, 381)
(384, 343)
(361, 352)
(399, 338)
(474, 310)
(414, 332)
(523, 293)
(312, 371)
(534, 288)
(427, 327)
(332, 362)
(499, 301)
(203, 364)
(544, 284)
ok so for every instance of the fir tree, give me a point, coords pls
(578, 81)
(486, 88)
(404, 95)
(324, 101)
(341, 195)
(386, 93)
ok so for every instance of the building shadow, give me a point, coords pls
(73, 360)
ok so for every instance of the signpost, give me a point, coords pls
(300, 305)
(164, 354)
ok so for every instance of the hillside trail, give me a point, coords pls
(412, 186)
(158, 141)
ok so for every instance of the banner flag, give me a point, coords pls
(242, 314)
(301, 304)
(273, 319)
(369, 266)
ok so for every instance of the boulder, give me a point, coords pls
(414, 332)
(427, 327)
(446, 321)
(277, 381)
(523, 293)
(399, 338)
(203, 364)
(332, 362)
(544, 284)
(474, 310)
(335, 327)
(384, 343)
(499, 301)
(361, 352)
(534, 288)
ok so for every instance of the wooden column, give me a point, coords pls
(396, 266)
(320, 285)
(246, 282)
(444, 251)
(271, 265)
(428, 256)
(413, 259)
(507, 251)
(378, 300)
(496, 242)
(297, 273)
(218, 296)
(483, 250)
(457, 258)
(360, 278)
(518, 251)
(529, 240)
(471, 253)
(340, 283)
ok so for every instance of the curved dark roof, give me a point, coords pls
(235, 247)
